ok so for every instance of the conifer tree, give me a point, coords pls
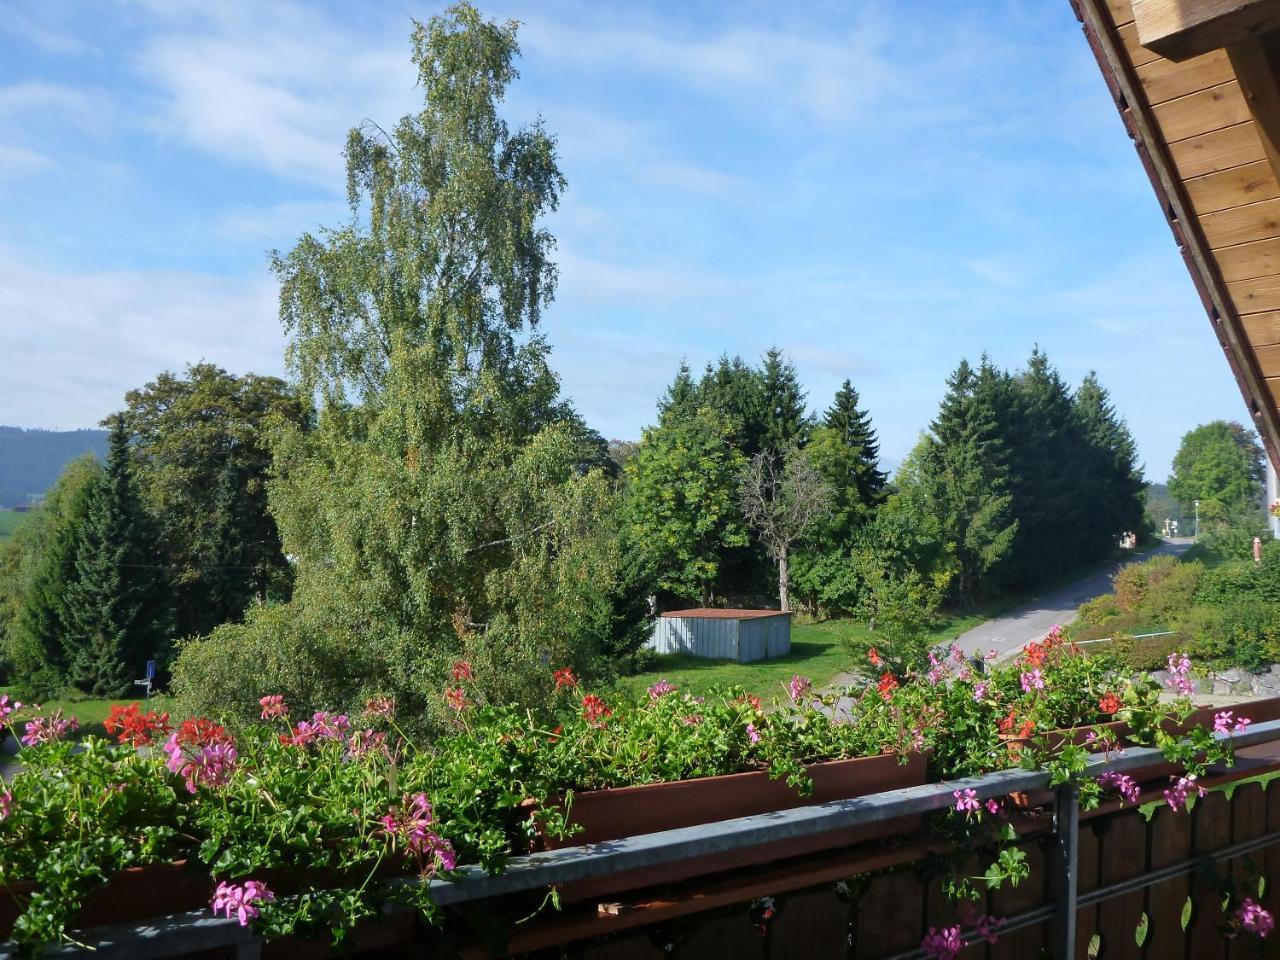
(681, 398)
(960, 472)
(117, 613)
(785, 422)
(1112, 499)
(734, 390)
(39, 566)
(853, 426)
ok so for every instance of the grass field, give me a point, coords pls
(9, 520)
(91, 713)
(817, 652)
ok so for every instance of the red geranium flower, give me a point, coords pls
(456, 697)
(1109, 704)
(462, 671)
(200, 732)
(888, 683)
(594, 710)
(565, 678)
(134, 727)
(874, 656)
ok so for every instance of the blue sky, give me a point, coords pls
(879, 188)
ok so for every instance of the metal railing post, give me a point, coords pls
(1066, 823)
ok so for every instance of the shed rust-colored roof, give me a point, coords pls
(1195, 126)
(712, 613)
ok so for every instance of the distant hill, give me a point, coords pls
(1161, 506)
(30, 460)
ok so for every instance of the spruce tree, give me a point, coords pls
(960, 471)
(785, 422)
(734, 390)
(1048, 457)
(1112, 500)
(854, 429)
(681, 398)
(117, 612)
(42, 563)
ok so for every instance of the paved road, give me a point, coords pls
(1032, 621)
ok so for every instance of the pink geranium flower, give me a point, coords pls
(241, 899)
(944, 944)
(966, 800)
(752, 735)
(6, 805)
(273, 706)
(1254, 918)
(799, 688)
(661, 689)
(48, 729)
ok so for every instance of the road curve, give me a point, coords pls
(1015, 629)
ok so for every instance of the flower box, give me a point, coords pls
(619, 812)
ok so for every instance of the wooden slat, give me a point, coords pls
(1246, 261)
(1255, 296)
(1138, 54)
(1121, 11)
(1220, 150)
(1253, 221)
(1233, 188)
(1201, 112)
(1165, 80)
(1262, 328)
(1268, 359)
(1273, 385)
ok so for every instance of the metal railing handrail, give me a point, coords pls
(161, 937)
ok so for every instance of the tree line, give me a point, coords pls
(419, 492)
(168, 538)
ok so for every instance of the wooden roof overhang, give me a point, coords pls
(1197, 83)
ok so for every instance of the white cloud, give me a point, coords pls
(279, 223)
(15, 159)
(644, 286)
(692, 178)
(16, 23)
(276, 87)
(76, 342)
(827, 78)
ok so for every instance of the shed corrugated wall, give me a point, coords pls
(725, 638)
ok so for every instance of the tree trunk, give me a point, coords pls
(783, 579)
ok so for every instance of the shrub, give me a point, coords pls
(1098, 611)
(1145, 653)
(225, 674)
(1244, 633)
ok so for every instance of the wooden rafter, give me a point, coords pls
(1182, 29)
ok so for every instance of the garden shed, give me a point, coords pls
(742, 635)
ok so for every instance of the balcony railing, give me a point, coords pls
(180, 934)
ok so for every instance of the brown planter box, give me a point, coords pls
(630, 811)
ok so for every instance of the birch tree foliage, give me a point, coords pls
(440, 508)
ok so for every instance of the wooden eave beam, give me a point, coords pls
(1256, 62)
(1181, 29)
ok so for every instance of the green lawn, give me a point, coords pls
(91, 713)
(817, 652)
(9, 520)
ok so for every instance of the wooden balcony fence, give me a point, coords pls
(1110, 883)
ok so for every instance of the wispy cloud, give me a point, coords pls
(277, 87)
(106, 332)
(827, 78)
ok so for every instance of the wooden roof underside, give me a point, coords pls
(1197, 138)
